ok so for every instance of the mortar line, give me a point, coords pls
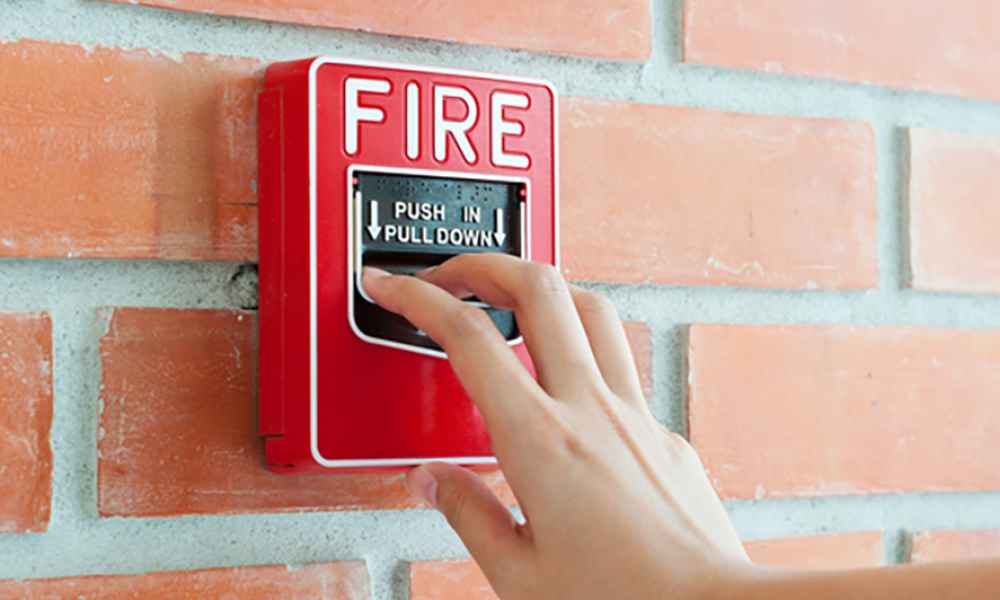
(661, 40)
(31, 286)
(399, 580)
(901, 547)
(888, 185)
(675, 78)
(672, 30)
(387, 538)
(661, 353)
(73, 432)
(660, 403)
(904, 169)
(681, 414)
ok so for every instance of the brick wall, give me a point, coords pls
(791, 203)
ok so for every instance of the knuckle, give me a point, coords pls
(594, 304)
(564, 440)
(454, 501)
(391, 290)
(460, 262)
(573, 445)
(468, 320)
(544, 279)
(457, 267)
(404, 286)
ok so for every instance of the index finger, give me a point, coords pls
(502, 388)
(543, 307)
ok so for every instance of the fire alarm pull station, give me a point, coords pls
(400, 168)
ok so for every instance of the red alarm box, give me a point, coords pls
(401, 168)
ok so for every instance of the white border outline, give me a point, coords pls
(313, 355)
(354, 240)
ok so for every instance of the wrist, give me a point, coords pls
(735, 581)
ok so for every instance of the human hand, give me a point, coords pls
(616, 506)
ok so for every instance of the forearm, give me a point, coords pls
(979, 580)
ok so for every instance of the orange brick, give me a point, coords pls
(616, 29)
(448, 580)
(126, 154)
(463, 580)
(826, 410)
(654, 194)
(329, 581)
(953, 212)
(938, 47)
(179, 431)
(641, 341)
(943, 545)
(840, 551)
(25, 421)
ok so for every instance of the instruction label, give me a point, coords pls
(413, 224)
(426, 213)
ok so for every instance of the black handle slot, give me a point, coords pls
(407, 223)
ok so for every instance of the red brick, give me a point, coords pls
(641, 341)
(933, 46)
(953, 212)
(448, 580)
(943, 545)
(126, 154)
(827, 410)
(25, 421)
(463, 580)
(841, 551)
(329, 581)
(698, 197)
(616, 29)
(179, 430)
(165, 449)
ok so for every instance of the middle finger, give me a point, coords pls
(544, 309)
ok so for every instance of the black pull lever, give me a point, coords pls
(406, 223)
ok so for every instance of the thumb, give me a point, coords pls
(484, 524)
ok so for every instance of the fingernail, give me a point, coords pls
(422, 485)
(425, 272)
(374, 273)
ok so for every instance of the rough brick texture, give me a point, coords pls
(841, 551)
(25, 420)
(818, 410)
(330, 581)
(954, 246)
(168, 171)
(178, 432)
(795, 208)
(126, 154)
(462, 579)
(618, 29)
(955, 545)
(179, 425)
(448, 580)
(934, 46)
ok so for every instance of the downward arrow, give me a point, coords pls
(373, 227)
(500, 235)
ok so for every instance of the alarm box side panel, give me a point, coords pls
(283, 190)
